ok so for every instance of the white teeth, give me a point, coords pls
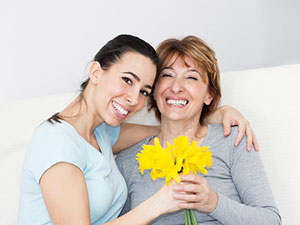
(177, 102)
(120, 109)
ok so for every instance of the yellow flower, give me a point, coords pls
(179, 157)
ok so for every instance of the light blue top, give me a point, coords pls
(59, 142)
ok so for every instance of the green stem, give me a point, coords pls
(185, 217)
(193, 217)
(188, 216)
(190, 219)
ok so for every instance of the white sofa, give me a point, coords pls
(268, 97)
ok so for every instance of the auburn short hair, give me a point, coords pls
(204, 58)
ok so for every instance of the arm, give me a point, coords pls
(65, 194)
(160, 203)
(229, 116)
(131, 134)
(66, 198)
(257, 203)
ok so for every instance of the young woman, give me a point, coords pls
(69, 174)
(235, 189)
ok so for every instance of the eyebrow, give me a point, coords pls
(189, 70)
(138, 79)
(168, 68)
(193, 70)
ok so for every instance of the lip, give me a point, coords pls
(176, 98)
(116, 112)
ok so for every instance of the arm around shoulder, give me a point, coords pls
(131, 134)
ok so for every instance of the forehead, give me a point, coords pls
(138, 64)
(130, 57)
(184, 60)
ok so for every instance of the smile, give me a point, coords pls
(119, 109)
(177, 102)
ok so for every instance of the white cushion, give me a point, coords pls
(269, 99)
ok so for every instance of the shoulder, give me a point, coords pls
(53, 143)
(220, 144)
(49, 135)
(217, 131)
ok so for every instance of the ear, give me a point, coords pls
(95, 72)
(208, 99)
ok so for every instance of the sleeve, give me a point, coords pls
(108, 133)
(115, 131)
(126, 207)
(49, 147)
(258, 204)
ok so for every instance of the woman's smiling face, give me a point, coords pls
(181, 91)
(122, 90)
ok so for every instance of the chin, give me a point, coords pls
(175, 117)
(113, 121)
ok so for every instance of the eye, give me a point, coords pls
(192, 78)
(145, 93)
(127, 80)
(166, 75)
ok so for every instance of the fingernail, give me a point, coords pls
(175, 188)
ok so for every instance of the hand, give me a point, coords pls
(231, 117)
(164, 201)
(194, 193)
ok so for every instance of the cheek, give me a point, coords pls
(119, 88)
(161, 86)
(141, 103)
(198, 91)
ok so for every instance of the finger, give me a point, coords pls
(187, 188)
(187, 205)
(191, 177)
(186, 197)
(249, 134)
(256, 147)
(242, 131)
(227, 127)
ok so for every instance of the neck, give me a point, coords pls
(82, 115)
(172, 129)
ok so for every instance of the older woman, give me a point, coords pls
(235, 190)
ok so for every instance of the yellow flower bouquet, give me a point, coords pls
(170, 161)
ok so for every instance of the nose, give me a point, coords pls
(132, 97)
(177, 85)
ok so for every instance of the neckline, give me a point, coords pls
(98, 138)
(203, 143)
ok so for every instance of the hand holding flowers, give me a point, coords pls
(164, 200)
(194, 193)
(181, 157)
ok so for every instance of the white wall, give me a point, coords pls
(45, 45)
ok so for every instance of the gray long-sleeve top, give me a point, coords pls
(236, 175)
